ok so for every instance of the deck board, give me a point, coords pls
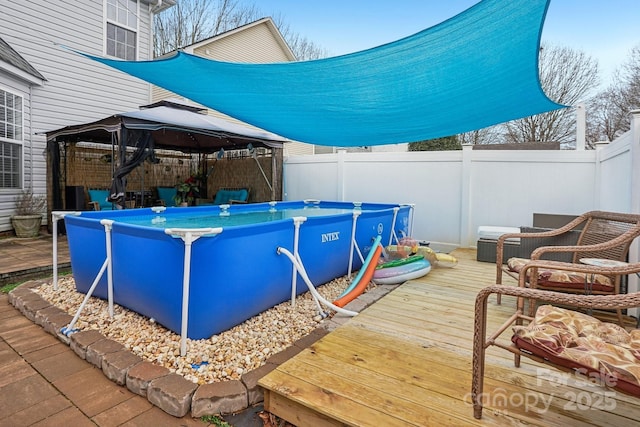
(406, 360)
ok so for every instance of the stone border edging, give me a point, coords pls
(168, 391)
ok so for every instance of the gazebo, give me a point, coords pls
(135, 136)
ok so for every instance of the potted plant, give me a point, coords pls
(187, 191)
(27, 219)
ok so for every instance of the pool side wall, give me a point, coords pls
(234, 275)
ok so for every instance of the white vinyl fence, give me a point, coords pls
(454, 192)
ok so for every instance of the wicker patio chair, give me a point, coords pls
(595, 234)
(481, 342)
(99, 200)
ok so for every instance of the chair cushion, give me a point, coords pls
(490, 232)
(101, 196)
(552, 278)
(168, 195)
(577, 341)
(223, 196)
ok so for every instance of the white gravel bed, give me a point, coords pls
(222, 357)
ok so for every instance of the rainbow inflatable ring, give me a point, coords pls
(401, 270)
(406, 262)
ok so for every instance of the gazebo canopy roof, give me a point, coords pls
(173, 125)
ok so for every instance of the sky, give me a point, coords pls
(604, 29)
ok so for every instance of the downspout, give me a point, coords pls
(152, 13)
(31, 134)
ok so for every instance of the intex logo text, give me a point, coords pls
(329, 237)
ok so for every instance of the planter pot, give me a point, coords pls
(26, 225)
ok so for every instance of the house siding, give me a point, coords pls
(298, 149)
(251, 44)
(29, 157)
(255, 44)
(76, 90)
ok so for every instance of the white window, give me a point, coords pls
(122, 29)
(10, 140)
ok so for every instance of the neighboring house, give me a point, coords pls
(45, 86)
(257, 42)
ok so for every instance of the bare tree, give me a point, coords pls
(567, 76)
(490, 135)
(303, 48)
(608, 115)
(611, 107)
(191, 21)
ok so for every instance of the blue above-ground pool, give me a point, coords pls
(236, 272)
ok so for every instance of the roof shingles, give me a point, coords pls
(11, 57)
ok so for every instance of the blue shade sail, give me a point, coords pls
(474, 70)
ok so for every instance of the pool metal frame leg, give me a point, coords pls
(412, 207)
(354, 245)
(106, 266)
(299, 267)
(188, 236)
(55, 217)
(297, 222)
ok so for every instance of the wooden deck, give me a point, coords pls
(406, 360)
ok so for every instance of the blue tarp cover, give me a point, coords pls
(474, 70)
